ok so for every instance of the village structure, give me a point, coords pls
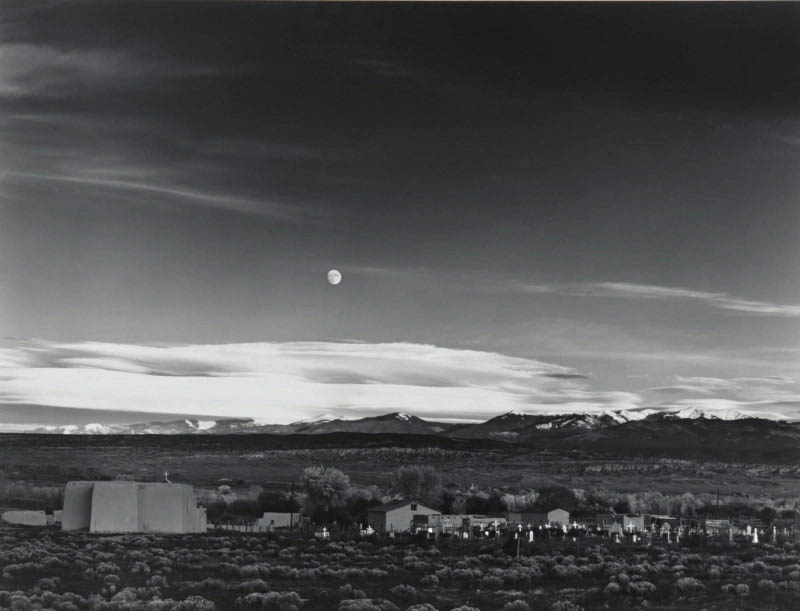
(129, 507)
(410, 516)
(112, 507)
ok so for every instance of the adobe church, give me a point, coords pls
(132, 507)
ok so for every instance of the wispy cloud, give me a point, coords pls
(627, 290)
(282, 382)
(211, 199)
(708, 384)
(481, 281)
(678, 389)
(48, 71)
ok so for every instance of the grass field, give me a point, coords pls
(276, 461)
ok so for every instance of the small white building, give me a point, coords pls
(554, 517)
(400, 516)
(271, 520)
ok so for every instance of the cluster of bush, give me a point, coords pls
(47, 569)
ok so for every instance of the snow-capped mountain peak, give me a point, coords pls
(512, 414)
(96, 428)
(695, 413)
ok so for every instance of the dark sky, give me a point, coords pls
(608, 191)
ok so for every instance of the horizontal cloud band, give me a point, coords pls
(283, 382)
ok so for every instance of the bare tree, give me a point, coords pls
(327, 489)
(417, 482)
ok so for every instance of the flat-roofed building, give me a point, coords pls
(126, 507)
(554, 517)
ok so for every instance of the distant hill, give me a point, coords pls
(679, 433)
(666, 434)
(510, 426)
(514, 426)
(388, 423)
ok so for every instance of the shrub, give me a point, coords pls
(641, 588)
(277, 601)
(367, 604)
(766, 584)
(194, 603)
(158, 580)
(689, 585)
(516, 605)
(209, 583)
(47, 584)
(253, 585)
(405, 592)
(429, 580)
(463, 577)
(422, 607)
(348, 591)
(104, 568)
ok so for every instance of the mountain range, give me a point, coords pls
(687, 433)
(511, 426)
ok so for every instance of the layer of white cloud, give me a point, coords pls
(284, 382)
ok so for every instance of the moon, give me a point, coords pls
(334, 277)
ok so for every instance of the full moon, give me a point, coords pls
(334, 277)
